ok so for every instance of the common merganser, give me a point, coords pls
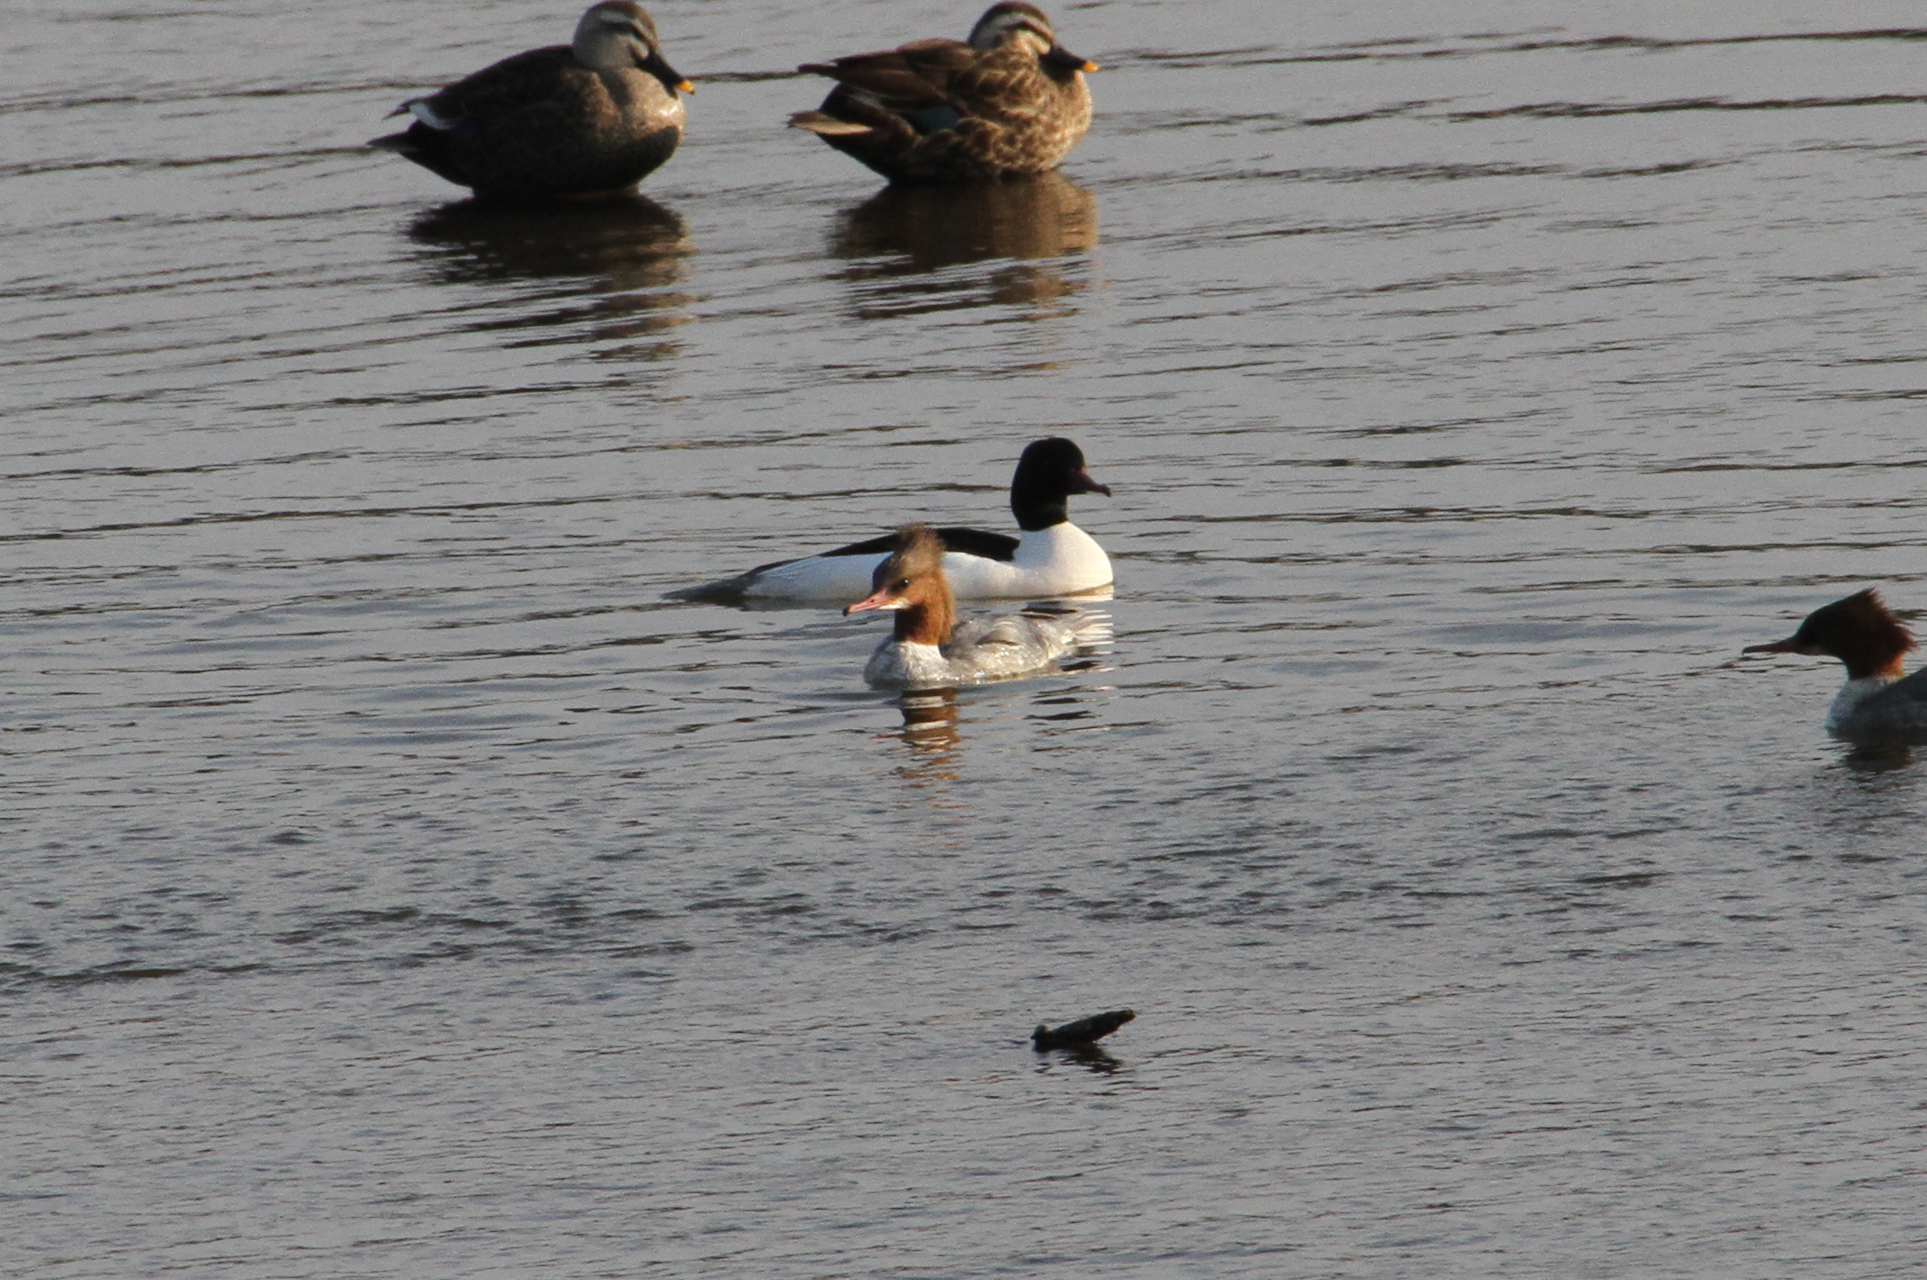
(1880, 700)
(929, 648)
(1050, 557)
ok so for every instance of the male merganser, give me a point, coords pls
(930, 648)
(1879, 699)
(1051, 557)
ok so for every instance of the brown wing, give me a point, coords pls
(996, 81)
(915, 77)
(508, 86)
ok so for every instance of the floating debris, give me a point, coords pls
(1082, 1033)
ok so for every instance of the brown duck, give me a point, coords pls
(1007, 102)
(589, 119)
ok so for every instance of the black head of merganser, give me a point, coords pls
(1048, 473)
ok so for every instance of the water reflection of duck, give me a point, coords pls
(930, 730)
(1026, 230)
(1879, 702)
(590, 118)
(930, 228)
(624, 252)
(930, 717)
(928, 647)
(1010, 100)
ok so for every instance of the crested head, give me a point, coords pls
(919, 554)
(910, 582)
(914, 571)
(1048, 472)
(1012, 18)
(1860, 630)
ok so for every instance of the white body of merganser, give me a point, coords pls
(1049, 557)
(1880, 701)
(928, 648)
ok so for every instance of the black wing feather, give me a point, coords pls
(972, 542)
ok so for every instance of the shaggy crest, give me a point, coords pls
(1861, 626)
(1860, 630)
(919, 552)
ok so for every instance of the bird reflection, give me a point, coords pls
(930, 730)
(1090, 1057)
(1026, 227)
(1879, 756)
(612, 262)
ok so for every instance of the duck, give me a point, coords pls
(1009, 101)
(929, 648)
(1880, 701)
(1049, 557)
(589, 119)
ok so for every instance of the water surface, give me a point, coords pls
(397, 884)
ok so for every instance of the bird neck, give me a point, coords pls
(929, 616)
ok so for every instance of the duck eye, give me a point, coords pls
(901, 583)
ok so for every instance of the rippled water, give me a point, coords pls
(397, 884)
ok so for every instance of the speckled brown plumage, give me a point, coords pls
(592, 118)
(1009, 101)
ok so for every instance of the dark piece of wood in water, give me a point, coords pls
(1085, 1031)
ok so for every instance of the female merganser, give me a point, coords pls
(930, 648)
(1879, 699)
(1051, 557)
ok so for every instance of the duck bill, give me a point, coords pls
(879, 600)
(1081, 482)
(658, 66)
(1789, 645)
(1059, 58)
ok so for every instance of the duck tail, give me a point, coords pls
(826, 125)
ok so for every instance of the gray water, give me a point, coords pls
(396, 884)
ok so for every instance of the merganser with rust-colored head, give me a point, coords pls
(1009, 101)
(591, 118)
(1049, 557)
(1880, 700)
(928, 647)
